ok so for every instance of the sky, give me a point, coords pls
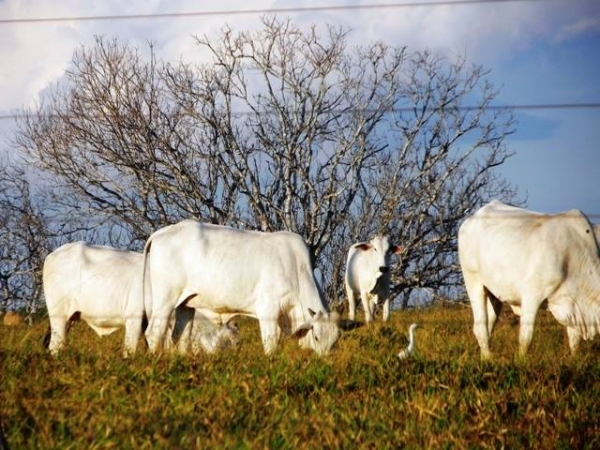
(538, 52)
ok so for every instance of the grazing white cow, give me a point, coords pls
(368, 275)
(101, 285)
(527, 259)
(191, 330)
(210, 338)
(227, 271)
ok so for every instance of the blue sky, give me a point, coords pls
(538, 52)
(557, 150)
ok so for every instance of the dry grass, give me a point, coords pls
(362, 396)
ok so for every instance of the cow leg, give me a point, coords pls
(477, 297)
(574, 339)
(367, 302)
(269, 332)
(157, 327)
(133, 331)
(529, 309)
(386, 309)
(182, 331)
(494, 308)
(373, 302)
(351, 303)
(58, 333)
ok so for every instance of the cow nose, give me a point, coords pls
(384, 269)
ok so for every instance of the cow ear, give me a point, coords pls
(363, 246)
(302, 330)
(397, 249)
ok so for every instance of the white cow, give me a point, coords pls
(526, 259)
(203, 334)
(227, 271)
(101, 285)
(368, 275)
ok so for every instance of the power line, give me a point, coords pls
(530, 106)
(288, 10)
(540, 106)
(412, 4)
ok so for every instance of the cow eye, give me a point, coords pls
(316, 338)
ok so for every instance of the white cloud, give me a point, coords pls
(35, 54)
(578, 28)
(486, 32)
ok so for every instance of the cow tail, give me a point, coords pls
(145, 277)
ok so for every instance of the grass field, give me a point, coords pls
(361, 396)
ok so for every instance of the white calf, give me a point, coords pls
(368, 275)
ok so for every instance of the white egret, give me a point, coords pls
(409, 350)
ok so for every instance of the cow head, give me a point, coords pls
(224, 336)
(379, 251)
(320, 333)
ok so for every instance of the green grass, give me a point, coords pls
(361, 396)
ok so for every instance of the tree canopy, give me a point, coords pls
(281, 128)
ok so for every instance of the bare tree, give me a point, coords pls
(282, 129)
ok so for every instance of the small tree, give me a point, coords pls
(445, 144)
(23, 238)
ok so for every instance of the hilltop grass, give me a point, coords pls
(361, 396)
